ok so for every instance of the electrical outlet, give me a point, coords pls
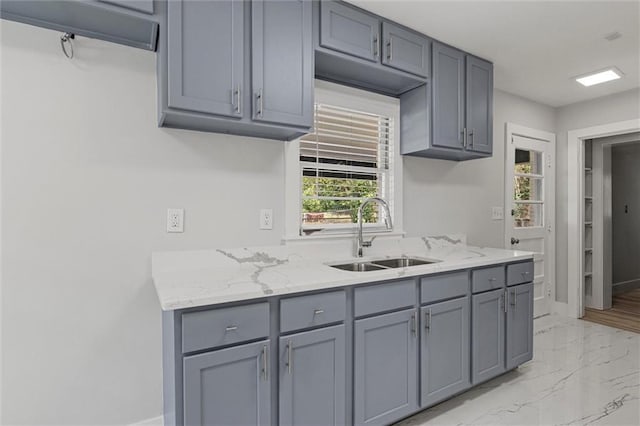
(175, 220)
(266, 219)
(497, 213)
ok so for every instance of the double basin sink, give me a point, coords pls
(378, 265)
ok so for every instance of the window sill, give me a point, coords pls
(337, 236)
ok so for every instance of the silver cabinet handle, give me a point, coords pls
(238, 94)
(503, 301)
(289, 359)
(471, 137)
(265, 362)
(414, 324)
(464, 137)
(231, 328)
(375, 47)
(513, 303)
(390, 50)
(492, 279)
(318, 311)
(259, 102)
(427, 320)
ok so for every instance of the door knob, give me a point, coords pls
(514, 240)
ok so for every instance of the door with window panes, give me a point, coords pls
(529, 185)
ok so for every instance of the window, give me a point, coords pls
(350, 156)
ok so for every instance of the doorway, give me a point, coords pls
(530, 205)
(612, 231)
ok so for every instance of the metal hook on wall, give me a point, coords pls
(64, 40)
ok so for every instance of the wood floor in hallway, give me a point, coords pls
(624, 312)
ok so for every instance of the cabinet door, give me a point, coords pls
(282, 62)
(479, 101)
(385, 368)
(349, 30)
(228, 387)
(405, 50)
(205, 56)
(448, 96)
(487, 335)
(445, 350)
(312, 377)
(519, 325)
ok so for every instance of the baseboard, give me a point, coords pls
(625, 286)
(560, 308)
(154, 421)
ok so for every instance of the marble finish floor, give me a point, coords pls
(582, 373)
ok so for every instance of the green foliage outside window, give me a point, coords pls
(335, 210)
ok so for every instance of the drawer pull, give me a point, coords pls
(414, 325)
(231, 328)
(492, 279)
(318, 311)
(265, 363)
(427, 320)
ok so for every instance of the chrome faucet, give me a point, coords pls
(387, 220)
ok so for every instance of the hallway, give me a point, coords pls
(624, 312)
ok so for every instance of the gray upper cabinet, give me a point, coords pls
(460, 109)
(228, 387)
(282, 61)
(350, 31)
(237, 67)
(385, 367)
(519, 325)
(479, 103)
(312, 377)
(144, 6)
(488, 331)
(446, 350)
(127, 22)
(204, 76)
(448, 97)
(405, 50)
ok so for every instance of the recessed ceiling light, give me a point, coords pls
(599, 77)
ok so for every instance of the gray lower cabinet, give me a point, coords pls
(228, 386)
(488, 335)
(282, 62)
(312, 377)
(446, 348)
(519, 325)
(385, 367)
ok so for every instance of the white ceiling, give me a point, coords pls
(536, 46)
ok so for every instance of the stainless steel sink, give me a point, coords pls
(377, 265)
(402, 262)
(359, 267)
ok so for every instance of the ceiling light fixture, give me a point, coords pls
(598, 77)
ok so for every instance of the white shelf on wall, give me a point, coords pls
(588, 198)
(588, 224)
(588, 249)
(588, 274)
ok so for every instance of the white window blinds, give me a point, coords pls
(345, 160)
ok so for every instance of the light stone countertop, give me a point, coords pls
(186, 279)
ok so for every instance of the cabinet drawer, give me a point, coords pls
(446, 286)
(309, 311)
(518, 273)
(384, 297)
(218, 327)
(486, 279)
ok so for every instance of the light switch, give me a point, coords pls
(497, 213)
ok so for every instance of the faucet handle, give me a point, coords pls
(366, 243)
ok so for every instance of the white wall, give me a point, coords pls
(447, 197)
(86, 180)
(625, 191)
(610, 109)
